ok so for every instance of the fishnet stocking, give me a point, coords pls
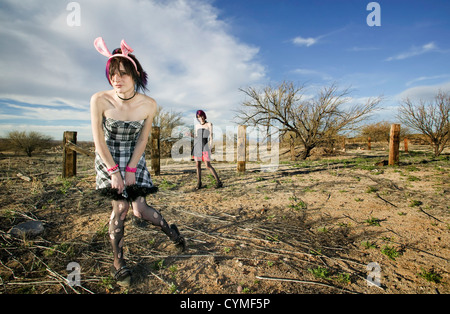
(116, 230)
(142, 210)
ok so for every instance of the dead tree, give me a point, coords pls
(431, 118)
(314, 121)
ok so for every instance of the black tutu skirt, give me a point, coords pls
(131, 193)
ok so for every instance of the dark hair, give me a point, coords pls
(113, 66)
(201, 113)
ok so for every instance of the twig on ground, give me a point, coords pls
(378, 195)
(420, 209)
(60, 279)
(304, 282)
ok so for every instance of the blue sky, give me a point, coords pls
(198, 54)
(321, 41)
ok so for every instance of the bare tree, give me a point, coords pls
(314, 121)
(167, 121)
(431, 118)
(28, 143)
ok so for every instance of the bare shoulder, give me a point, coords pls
(100, 98)
(99, 95)
(149, 104)
(149, 101)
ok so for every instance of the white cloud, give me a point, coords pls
(392, 103)
(427, 78)
(192, 60)
(424, 92)
(300, 41)
(415, 51)
(51, 114)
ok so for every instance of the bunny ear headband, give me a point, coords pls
(100, 45)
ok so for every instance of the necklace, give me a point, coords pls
(125, 99)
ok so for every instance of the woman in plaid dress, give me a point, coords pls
(121, 122)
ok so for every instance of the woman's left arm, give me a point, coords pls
(210, 136)
(141, 144)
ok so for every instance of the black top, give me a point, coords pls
(201, 140)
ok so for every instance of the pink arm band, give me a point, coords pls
(113, 168)
(128, 169)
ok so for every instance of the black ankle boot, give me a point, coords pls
(179, 241)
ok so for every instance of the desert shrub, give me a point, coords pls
(28, 142)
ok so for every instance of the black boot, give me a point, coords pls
(179, 241)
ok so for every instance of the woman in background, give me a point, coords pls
(202, 148)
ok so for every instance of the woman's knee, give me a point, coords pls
(120, 209)
(139, 207)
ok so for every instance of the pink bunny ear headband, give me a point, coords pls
(100, 45)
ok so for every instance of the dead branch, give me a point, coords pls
(431, 216)
(385, 200)
(23, 177)
(304, 282)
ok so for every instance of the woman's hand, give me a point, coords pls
(117, 182)
(130, 178)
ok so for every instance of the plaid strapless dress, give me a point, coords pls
(121, 138)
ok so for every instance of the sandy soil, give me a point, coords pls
(310, 227)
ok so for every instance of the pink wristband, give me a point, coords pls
(113, 168)
(128, 169)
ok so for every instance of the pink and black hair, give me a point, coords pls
(201, 113)
(137, 73)
(123, 56)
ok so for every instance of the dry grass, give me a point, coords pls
(311, 227)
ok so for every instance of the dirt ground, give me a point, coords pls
(326, 225)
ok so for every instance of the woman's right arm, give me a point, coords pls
(98, 105)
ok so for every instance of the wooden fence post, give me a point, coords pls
(155, 153)
(69, 155)
(369, 143)
(406, 144)
(394, 144)
(241, 145)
